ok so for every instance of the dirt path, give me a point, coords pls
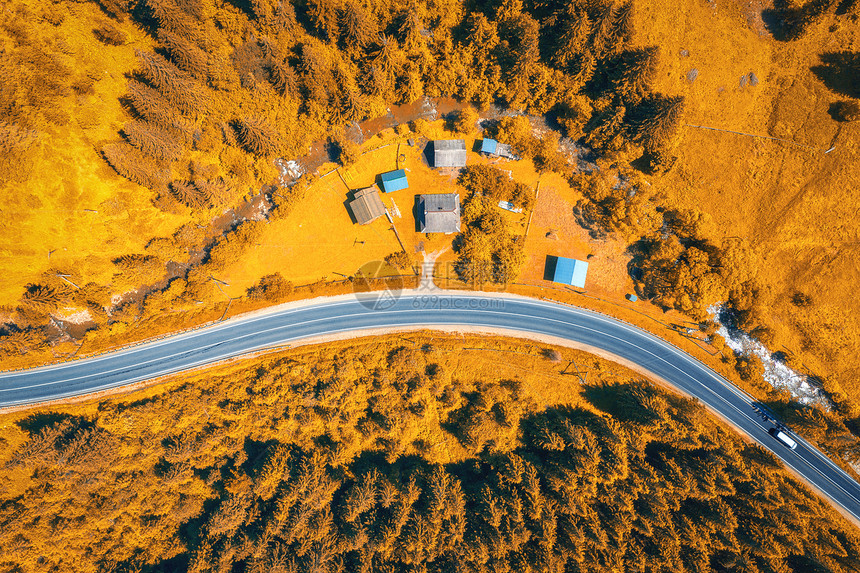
(428, 268)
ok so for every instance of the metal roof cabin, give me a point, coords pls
(367, 206)
(449, 153)
(394, 180)
(493, 147)
(439, 213)
(570, 272)
(489, 146)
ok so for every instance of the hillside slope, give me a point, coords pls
(797, 204)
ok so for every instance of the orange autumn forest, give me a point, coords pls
(170, 166)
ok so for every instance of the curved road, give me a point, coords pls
(295, 322)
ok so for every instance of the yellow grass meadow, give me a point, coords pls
(64, 208)
(795, 203)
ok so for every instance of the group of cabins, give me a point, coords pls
(437, 213)
(440, 212)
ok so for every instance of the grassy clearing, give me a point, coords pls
(319, 240)
(797, 205)
(63, 199)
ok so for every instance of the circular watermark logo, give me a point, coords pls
(377, 285)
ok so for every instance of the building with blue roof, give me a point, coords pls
(494, 148)
(394, 180)
(489, 145)
(570, 272)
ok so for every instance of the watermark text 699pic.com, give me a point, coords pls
(441, 301)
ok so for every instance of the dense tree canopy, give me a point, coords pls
(270, 75)
(366, 458)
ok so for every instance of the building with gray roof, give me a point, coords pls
(449, 153)
(439, 213)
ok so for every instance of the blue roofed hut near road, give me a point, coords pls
(570, 272)
(394, 180)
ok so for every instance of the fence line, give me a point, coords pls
(760, 136)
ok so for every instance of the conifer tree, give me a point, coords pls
(623, 24)
(193, 8)
(42, 297)
(411, 32)
(153, 140)
(656, 120)
(256, 136)
(109, 35)
(633, 73)
(358, 28)
(117, 9)
(482, 31)
(586, 65)
(573, 38)
(603, 40)
(174, 84)
(216, 191)
(609, 132)
(660, 159)
(134, 165)
(281, 73)
(283, 77)
(173, 19)
(263, 10)
(138, 268)
(317, 78)
(324, 16)
(153, 107)
(466, 121)
(381, 66)
(524, 39)
(184, 53)
(189, 194)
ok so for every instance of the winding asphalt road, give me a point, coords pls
(292, 323)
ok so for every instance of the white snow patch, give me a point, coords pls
(289, 169)
(776, 373)
(119, 298)
(259, 213)
(75, 316)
